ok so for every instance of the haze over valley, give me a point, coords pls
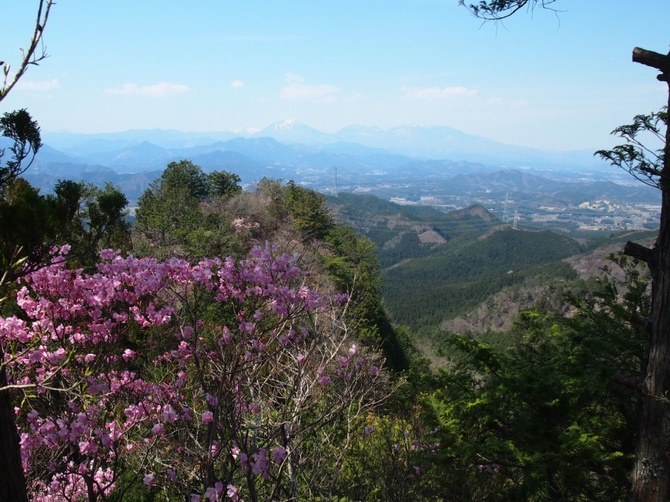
(434, 166)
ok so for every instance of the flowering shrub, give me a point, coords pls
(211, 381)
(394, 458)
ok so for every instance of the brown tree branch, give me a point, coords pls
(654, 60)
(638, 251)
(29, 56)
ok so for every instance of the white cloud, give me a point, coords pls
(437, 93)
(297, 90)
(159, 90)
(499, 102)
(237, 84)
(38, 85)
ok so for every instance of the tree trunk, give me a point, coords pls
(12, 480)
(652, 469)
(651, 475)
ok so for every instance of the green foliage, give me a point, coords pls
(390, 461)
(131, 487)
(223, 183)
(186, 176)
(105, 212)
(24, 133)
(638, 155)
(394, 228)
(28, 225)
(86, 217)
(360, 204)
(422, 293)
(406, 246)
(366, 206)
(555, 414)
(164, 212)
(272, 192)
(355, 269)
(171, 219)
(24, 215)
(309, 212)
(89, 218)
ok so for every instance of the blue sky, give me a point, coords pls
(559, 80)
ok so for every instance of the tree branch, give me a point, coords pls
(638, 251)
(497, 10)
(28, 56)
(654, 60)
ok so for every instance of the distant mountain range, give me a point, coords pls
(412, 163)
(128, 149)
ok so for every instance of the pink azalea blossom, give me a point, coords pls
(232, 493)
(278, 454)
(75, 336)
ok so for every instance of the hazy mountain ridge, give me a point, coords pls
(356, 159)
(435, 142)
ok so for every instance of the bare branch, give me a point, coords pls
(30, 56)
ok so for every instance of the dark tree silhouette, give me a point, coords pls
(23, 131)
(496, 10)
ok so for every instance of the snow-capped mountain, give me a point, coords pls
(292, 131)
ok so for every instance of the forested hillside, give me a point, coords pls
(465, 270)
(401, 232)
(237, 346)
(422, 293)
(437, 265)
(217, 340)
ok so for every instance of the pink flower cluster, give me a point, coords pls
(237, 339)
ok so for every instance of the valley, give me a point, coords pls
(467, 270)
(436, 167)
(450, 234)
